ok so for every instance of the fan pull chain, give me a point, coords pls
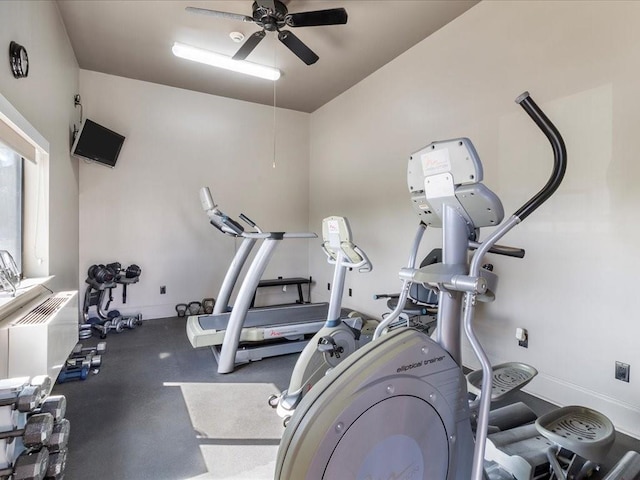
(275, 46)
(274, 125)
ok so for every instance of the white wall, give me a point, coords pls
(147, 211)
(45, 99)
(575, 289)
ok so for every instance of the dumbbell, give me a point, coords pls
(115, 267)
(133, 271)
(114, 324)
(26, 400)
(115, 321)
(78, 350)
(36, 432)
(54, 405)
(131, 321)
(91, 361)
(73, 373)
(59, 435)
(101, 327)
(120, 322)
(57, 465)
(137, 319)
(45, 384)
(101, 274)
(128, 322)
(90, 356)
(30, 465)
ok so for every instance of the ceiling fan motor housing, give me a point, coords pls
(270, 20)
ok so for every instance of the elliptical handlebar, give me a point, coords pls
(502, 250)
(406, 283)
(557, 174)
(363, 264)
(559, 155)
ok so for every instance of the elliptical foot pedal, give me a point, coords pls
(583, 431)
(507, 377)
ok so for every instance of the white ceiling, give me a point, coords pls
(133, 39)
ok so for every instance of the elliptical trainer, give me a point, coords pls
(399, 405)
(398, 408)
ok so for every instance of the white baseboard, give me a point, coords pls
(150, 312)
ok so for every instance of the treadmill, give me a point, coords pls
(243, 334)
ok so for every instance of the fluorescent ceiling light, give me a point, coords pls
(222, 61)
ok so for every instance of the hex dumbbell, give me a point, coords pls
(56, 405)
(73, 373)
(36, 432)
(59, 435)
(26, 400)
(57, 464)
(91, 361)
(30, 465)
(45, 384)
(81, 351)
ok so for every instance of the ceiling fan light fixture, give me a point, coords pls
(214, 59)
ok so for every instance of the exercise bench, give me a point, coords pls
(283, 282)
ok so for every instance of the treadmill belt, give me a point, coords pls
(270, 316)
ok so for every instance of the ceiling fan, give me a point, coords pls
(272, 16)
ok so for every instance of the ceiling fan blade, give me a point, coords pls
(269, 4)
(248, 46)
(333, 16)
(216, 13)
(294, 44)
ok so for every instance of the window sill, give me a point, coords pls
(28, 289)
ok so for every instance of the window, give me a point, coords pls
(24, 192)
(11, 203)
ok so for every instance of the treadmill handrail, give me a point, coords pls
(300, 235)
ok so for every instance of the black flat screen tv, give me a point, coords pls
(97, 143)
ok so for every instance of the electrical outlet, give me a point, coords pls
(522, 335)
(328, 286)
(622, 371)
(163, 289)
(350, 292)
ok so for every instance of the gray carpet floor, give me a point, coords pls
(158, 410)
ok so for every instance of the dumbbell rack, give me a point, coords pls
(102, 279)
(33, 431)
